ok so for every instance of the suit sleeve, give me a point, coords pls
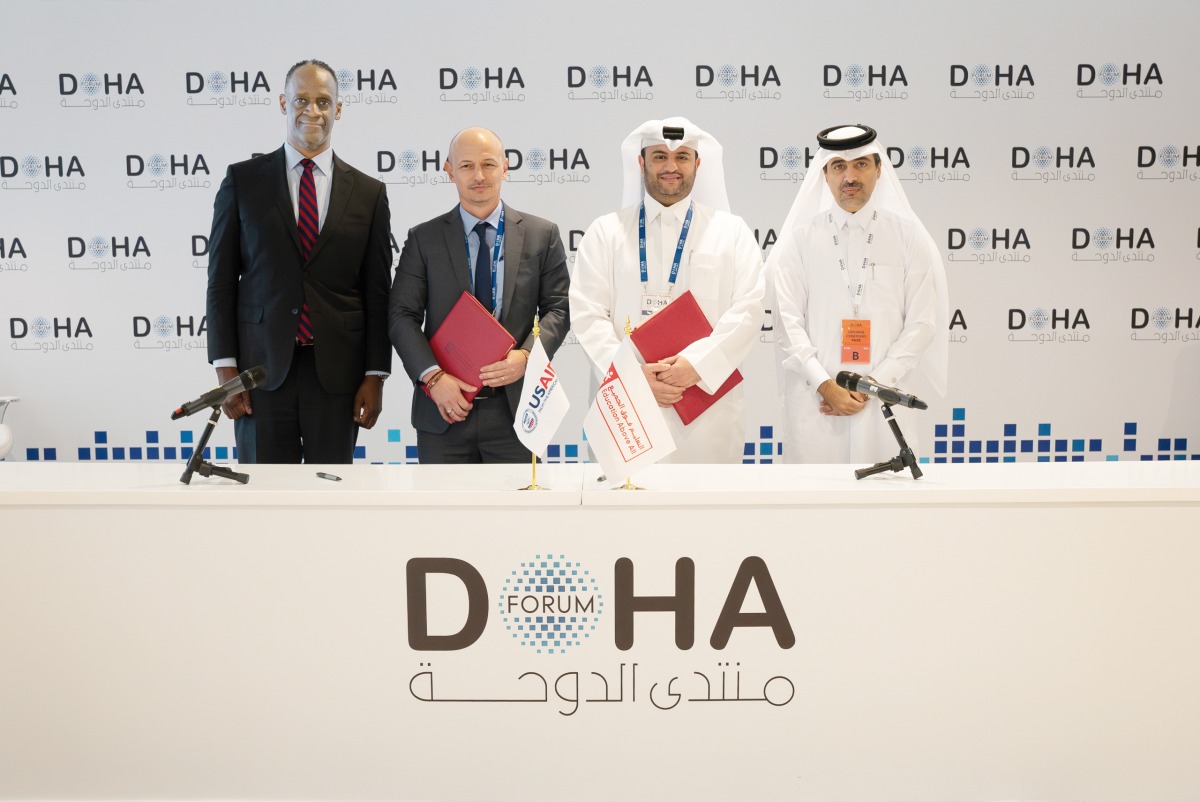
(406, 309)
(376, 277)
(224, 270)
(554, 316)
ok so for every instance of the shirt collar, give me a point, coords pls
(676, 211)
(323, 160)
(859, 219)
(470, 220)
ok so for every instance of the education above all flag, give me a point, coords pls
(625, 426)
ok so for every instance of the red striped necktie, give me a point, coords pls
(309, 225)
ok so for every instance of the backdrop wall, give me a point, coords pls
(1052, 151)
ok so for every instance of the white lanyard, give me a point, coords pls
(855, 293)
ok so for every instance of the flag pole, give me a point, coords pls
(533, 485)
(629, 485)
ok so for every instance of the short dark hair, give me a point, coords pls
(310, 62)
(825, 167)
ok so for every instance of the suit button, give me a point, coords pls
(295, 311)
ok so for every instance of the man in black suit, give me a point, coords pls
(298, 271)
(515, 265)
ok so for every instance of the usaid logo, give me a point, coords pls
(7, 87)
(108, 253)
(1112, 81)
(786, 163)
(547, 165)
(859, 83)
(1046, 326)
(169, 332)
(101, 90)
(166, 172)
(732, 82)
(982, 244)
(368, 85)
(411, 167)
(1059, 164)
(42, 173)
(481, 85)
(1163, 324)
(1115, 244)
(1168, 163)
(227, 88)
(942, 163)
(12, 251)
(50, 333)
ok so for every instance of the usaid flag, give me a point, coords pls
(625, 426)
(544, 402)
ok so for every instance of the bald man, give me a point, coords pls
(514, 263)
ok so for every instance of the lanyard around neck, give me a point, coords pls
(687, 224)
(855, 293)
(495, 249)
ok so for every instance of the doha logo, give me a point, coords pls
(550, 604)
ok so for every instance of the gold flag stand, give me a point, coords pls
(533, 485)
(629, 485)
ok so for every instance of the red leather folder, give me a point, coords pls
(678, 325)
(468, 339)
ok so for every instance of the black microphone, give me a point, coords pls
(246, 380)
(888, 395)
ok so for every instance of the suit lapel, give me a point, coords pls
(514, 236)
(283, 198)
(456, 248)
(339, 200)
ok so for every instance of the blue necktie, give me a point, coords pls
(483, 268)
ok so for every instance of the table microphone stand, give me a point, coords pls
(197, 465)
(905, 459)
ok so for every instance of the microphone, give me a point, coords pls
(246, 380)
(888, 395)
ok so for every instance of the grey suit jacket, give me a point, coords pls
(433, 273)
(258, 278)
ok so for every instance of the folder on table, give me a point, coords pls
(678, 325)
(468, 339)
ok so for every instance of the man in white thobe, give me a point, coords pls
(692, 242)
(859, 286)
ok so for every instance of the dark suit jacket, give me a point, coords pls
(433, 273)
(258, 279)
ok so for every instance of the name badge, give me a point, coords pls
(856, 342)
(653, 303)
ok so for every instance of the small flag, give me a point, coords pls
(625, 426)
(544, 402)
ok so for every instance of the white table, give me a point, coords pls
(989, 632)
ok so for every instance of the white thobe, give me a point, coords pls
(814, 296)
(721, 265)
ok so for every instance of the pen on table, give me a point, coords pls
(329, 476)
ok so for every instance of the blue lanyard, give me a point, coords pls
(687, 224)
(495, 252)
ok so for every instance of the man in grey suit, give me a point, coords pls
(298, 267)
(514, 263)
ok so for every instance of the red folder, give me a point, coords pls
(468, 339)
(675, 327)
